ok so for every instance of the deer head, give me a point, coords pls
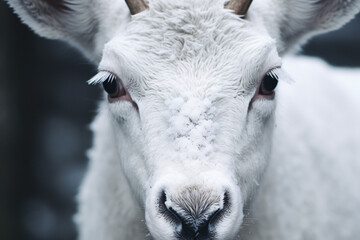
(190, 88)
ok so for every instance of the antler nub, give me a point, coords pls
(240, 7)
(136, 6)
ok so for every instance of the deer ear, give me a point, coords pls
(79, 22)
(298, 20)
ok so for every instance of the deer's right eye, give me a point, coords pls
(114, 88)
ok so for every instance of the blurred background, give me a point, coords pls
(45, 109)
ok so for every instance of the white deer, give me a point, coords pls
(187, 142)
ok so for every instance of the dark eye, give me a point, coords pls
(268, 84)
(113, 87)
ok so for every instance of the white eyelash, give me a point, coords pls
(101, 77)
(281, 75)
(274, 73)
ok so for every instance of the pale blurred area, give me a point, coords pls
(45, 109)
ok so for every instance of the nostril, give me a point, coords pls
(208, 228)
(219, 214)
(169, 213)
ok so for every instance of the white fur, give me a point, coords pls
(192, 68)
(311, 187)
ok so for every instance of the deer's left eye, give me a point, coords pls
(114, 88)
(268, 84)
(266, 89)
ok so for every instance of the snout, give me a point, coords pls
(195, 213)
(194, 218)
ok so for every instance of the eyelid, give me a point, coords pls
(104, 75)
(273, 72)
(101, 77)
(281, 74)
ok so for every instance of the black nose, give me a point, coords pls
(191, 225)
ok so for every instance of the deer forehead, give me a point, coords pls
(195, 46)
(192, 69)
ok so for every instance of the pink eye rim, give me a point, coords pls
(116, 90)
(266, 94)
(113, 87)
(269, 82)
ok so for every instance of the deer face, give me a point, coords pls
(190, 92)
